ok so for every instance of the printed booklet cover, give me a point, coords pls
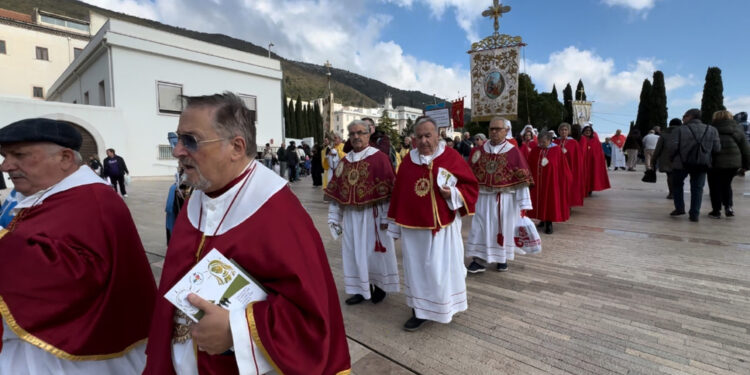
(217, 280)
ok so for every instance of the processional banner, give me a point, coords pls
(581, 112)
(494, 79)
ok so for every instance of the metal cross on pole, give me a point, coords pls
(496, 11)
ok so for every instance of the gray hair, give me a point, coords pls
(545, 136)
(53, 148)
(502, 120)
(563, 125)
(231, 118)
(358, 122)
(424, 119)
(480, 136)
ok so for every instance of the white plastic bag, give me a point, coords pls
(127, 180)
(527, 237)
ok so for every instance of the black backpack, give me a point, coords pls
(698, 157)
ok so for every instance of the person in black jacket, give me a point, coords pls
(114, 167)
(292, 161)
(633, 144)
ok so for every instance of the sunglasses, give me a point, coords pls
(188, 141)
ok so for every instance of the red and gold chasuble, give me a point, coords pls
(416, 201)
(299, 327)
(500, 170)
(363, 182)
(75, 278)
(618, 140)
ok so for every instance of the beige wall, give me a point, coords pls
(21, 71)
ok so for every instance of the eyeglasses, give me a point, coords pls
(188, 141)
(497, 129)
(357, 134)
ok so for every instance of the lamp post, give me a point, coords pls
(269, 49)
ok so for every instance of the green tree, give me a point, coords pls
(554, 93)
(291, 121)
(713, 94)
(568, 103)
(643, 120)
(658, 101)
(299, 120)
(408, 128)
(580, 91)
(318, 124)
(388, 126)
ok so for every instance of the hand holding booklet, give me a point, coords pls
(217, 280)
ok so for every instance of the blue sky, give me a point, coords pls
(421, 44)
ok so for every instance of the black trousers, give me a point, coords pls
(608, 159)
(118, 180)
(720, 187)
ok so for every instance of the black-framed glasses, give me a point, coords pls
(358, 134)
(188, 141)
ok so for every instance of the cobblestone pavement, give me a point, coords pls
(620, 288)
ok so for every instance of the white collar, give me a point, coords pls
(354, 157)
(502, 148)
(257, 187)
(83, 176)
(418, 159)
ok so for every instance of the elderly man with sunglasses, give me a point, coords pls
(236, 209)
(76, 289)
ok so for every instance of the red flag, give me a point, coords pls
(457, 113)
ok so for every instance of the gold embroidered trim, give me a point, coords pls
(3, 232)
(181, 332)
(422, 187)
(345, 372)
(59, 353)
(256, 337)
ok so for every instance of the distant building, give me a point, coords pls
(35, 49)
(123, 91)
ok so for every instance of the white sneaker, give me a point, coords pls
(125, 195)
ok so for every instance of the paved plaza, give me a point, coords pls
(620, 288)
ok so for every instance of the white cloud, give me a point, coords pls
(637, 5)
(344, 32)
(737, 104)
(601, 79)
(467, 12)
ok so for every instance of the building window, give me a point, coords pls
(165, 152)
(102, 95)
(38, 92)
(251, 104)
(64, 23)
(169, 97)
(86, 97)
(42, 54)
(2, 47)
(77, 52)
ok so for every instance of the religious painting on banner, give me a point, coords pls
(581, 112)
(494, 71)
(457, 113)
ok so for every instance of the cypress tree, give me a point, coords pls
(318, 124)
(291, 121)
(713, 94)
(568, 103)
(643, 120)
(580, 95)
(554, 93)
(658, 101)
(299, 120)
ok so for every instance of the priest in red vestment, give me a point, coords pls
(594, 165)
(504, 180)
(434, 187)
(618, 155)
(572, 153)
(76, 295)
(250, 215)
(358, 213)
(551, 177)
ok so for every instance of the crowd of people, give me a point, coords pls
(79, 296)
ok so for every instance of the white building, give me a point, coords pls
(343, 115)
(140, 72)
(35, 49)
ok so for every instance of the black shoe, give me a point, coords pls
(355, 299)
(377, 294)
(413, 324)
(694, 218)
(677, 213)
(502, 267)
(475, 267)
(729, 211)
(714, 215)
(548, 228)
(669, 196)
(541, 224)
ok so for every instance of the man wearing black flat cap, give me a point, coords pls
(76, 289)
